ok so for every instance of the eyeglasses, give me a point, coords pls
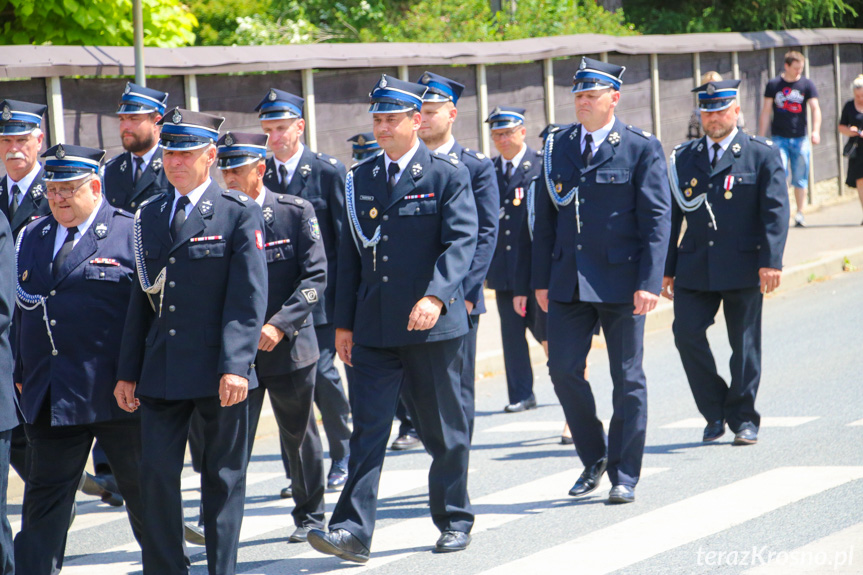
(502, 135)
(64, 193)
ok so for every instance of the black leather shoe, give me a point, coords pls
(714, 430)
(403, 442)
(523, 405)
(589, 479)
(286, 492)
(566, 440)
(340, 543)
(194, 533)
(746, 436)
(450, 541)
(300, 534)
(73, 514)
(103, 487)
(621, 494)
(338, 474)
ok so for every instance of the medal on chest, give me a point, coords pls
(519, 196)
(727, 185)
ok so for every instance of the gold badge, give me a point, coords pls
(688, 192)
(373, 213)
(727, 195)
(693, 182)
(516, 202)
(25, 275)
(558, 188)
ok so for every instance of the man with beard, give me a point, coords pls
(137, 174)
(730, 188)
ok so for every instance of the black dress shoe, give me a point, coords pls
(714, 430)
(103, 487)
(338, 475)
(403, 442)
(300, 534)
(450, 541)
(193, 533)
(340, 543)
(566, 440)
(523, 405)
(746, 436)
(621, 494)
(286, 492)
(589, 479)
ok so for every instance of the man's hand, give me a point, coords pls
(667, 287)
(270, 337)
(425, 314)
(770, 279)
(344, 345)
(644, 301)
(233, 389)
(816, 138)
(542, 299)
(124, 393)
(519, 304)
(469, 305)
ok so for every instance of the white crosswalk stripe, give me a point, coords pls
(858, 423)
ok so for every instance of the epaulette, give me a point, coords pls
(123, 213)
(291, 201)
(538, 153)
(150, 200)
(238, 197)
(367, 160)
(762, 141)
(325, 158)
(475, 154)
(639, 131)
(446, 158)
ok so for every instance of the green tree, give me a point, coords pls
(167, 23)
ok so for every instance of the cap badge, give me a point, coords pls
(60, 153)
(272, 97)
(101, 230)
(7, 113)
(383, 83)
(229, 139)
(583, 65)
(128, 88)
(614, 138)
(426, 79)
(177, 117)
(711, 89)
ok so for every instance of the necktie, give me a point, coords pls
(587, 153)
(507, 172)
(13, 207)
(64, 251)
(283, 173)
(179, 217)
(139, 168)
(392, 170)
(716, 149)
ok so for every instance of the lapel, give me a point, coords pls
(271, 178)
(154, 168)
(377, 185)
(4, 198)
(702, 157)
(457, 150)
(86, 245)
(301, 176)
(412, 174)
(606, 149)
(197, 222)
(30, 202)
(158, 218)
(519, 176)
(573, 152)
(729, 155)
(44, 253)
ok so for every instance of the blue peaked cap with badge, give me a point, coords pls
(440, 88)
(505, 117)
(186, 130)
(280, 105)
(391, 95)
(67, 162)
(716, 96)
(140, 100)
(364, 146)
(20, 118)
(597, 75)
(237, 149)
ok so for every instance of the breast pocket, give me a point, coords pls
(418, 208)
(280, 253)
(612, 176)
(204, 250)
(114, 274)
(152, 252)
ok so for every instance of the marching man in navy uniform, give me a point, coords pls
(439, 113)
(730, 188)
(516, 166)
(75, 269)
(288, 348)
(600, 241)
(320, 179)
(137, 174)
(190, 343)
(400, 316)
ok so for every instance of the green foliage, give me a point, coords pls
(674, 17)
(167, 23)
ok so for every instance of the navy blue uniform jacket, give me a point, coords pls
(625, 214)
(320, 179)
(8, 411)
(33, 206)
(214, 300)
(426, 248)
(120, 190)
(751, 222)
(297, 276)
(87, 308)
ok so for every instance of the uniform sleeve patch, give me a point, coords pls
(314, 228)
(311, 294)
(259, 239)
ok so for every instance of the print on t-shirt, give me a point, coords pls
(790, 100)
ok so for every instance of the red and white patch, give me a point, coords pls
(729, 183)
(259, 239)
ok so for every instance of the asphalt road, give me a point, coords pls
(792, 504)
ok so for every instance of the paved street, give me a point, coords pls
(796, 497)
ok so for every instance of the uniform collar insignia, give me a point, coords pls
(416, 170)
(36, 192)
(162, 207)
(453, 155)
(305, 170)
(736, 148)
(101, 230)
(268, 215)
(526, 165)
(614, 138)
(375, 171)
(45, 230)
(156, 164)
(206, 207)
(269, 172)
(572, 134)
(700, 147)
(124, 165)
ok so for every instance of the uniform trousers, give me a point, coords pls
(516, 353)
(330, 394)
(58, 455)
(7, 552)
(291, 395)
(570, 331)
(164, 431)
(432, 376)
(694, 312)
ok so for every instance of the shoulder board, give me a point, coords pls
(446, 158)
(326, 158)
(538, 153)
(643, 133)
(114, 159)
(475, 154)
(762, 141)
(291, 200)
(151, 199)
(123, 213)
(366, 161)
(238, 197)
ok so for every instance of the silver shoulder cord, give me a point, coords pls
(687, 205)
(531, 207)
(356, 229)
(28, 301)
(158, 287)
(559, 202)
